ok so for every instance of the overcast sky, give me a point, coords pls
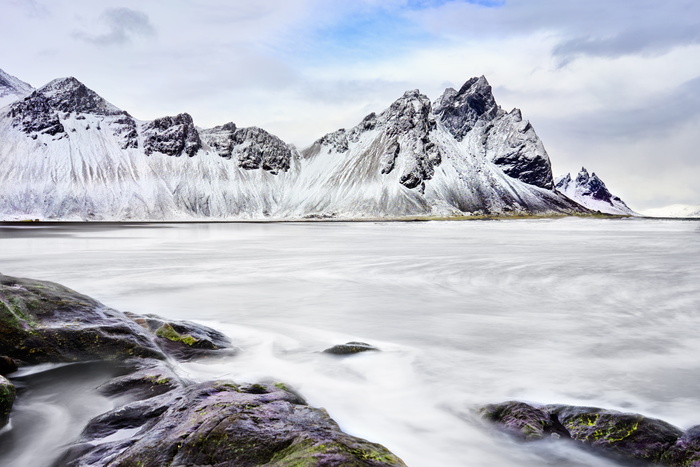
(610, 85)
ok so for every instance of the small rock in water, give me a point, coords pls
(350, 348)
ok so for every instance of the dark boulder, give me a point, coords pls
(146, 378)
(626, 437)
(7, 398)
(46, 322)
(350, 348)
(223, 424)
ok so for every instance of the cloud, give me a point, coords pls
(123, 24)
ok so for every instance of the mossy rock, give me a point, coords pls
(626, 437)
(7, 399)
(46, 322)
(227, 425)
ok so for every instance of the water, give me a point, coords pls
(576, 311)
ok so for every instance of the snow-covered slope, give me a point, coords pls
(591, 192)
(12, 89)
(674, 210)
(66, 153)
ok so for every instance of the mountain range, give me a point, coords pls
(68, 154)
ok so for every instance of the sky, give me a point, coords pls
(610, 85)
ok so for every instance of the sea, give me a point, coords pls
(582, 311)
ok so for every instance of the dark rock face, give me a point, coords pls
(125, 128)
(459, 111)
(254, 147)
(69, 95)
(7, 365)
(593, 186)
(7, 399)
(224, 424)
(35, 115)
(350, 348)
(146, 378)
(184, 340)
(410, 119)
(172, 136)
(47, 322)
(623, 436)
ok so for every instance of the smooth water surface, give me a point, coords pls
(577, 311)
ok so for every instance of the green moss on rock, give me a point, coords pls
(7, 399)
(166, 331)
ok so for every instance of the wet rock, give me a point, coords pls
(46, 322)
(7, 365)
(686, 451)
(7, 398)
(147, 378)
(626, 437)
(184, 340)
(524, 421)
(223, 424)
(350, 348)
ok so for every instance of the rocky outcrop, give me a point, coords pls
(224, 424)
(623, 436)
(172, 136)
(461, 111)
(46, 322)
(162, 418)
(253, 147)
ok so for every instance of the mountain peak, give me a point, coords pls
(70, 95)
(590, 191)
(460, 111)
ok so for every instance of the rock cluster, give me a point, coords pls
(172, 136)
(165, 419)
(626, 437)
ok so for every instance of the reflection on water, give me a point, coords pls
(594, 312)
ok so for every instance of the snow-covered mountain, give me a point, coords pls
(590, 191)
(12, 89)
(66, 153)
(674, 210)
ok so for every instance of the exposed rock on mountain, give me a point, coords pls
(12, 89)
(69, 154)
(253, 147)
(591, 192)
(172, 136)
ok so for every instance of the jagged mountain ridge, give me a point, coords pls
(589, 190)
(12, 89)
(69, 154)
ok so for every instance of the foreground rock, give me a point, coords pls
(623, 436)
(44, 322)
(351, 348)
(224, 424)
(7, 398)
(165, 419)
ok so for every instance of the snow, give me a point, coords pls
(674, 210)
(400, 163)
(12, 89)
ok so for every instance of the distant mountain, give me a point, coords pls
(674, 210)
(12, 89)
(590, 191)
(67, 153)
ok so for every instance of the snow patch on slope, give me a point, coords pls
(675, 210)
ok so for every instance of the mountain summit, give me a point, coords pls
(67, 153)
(590, 191)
